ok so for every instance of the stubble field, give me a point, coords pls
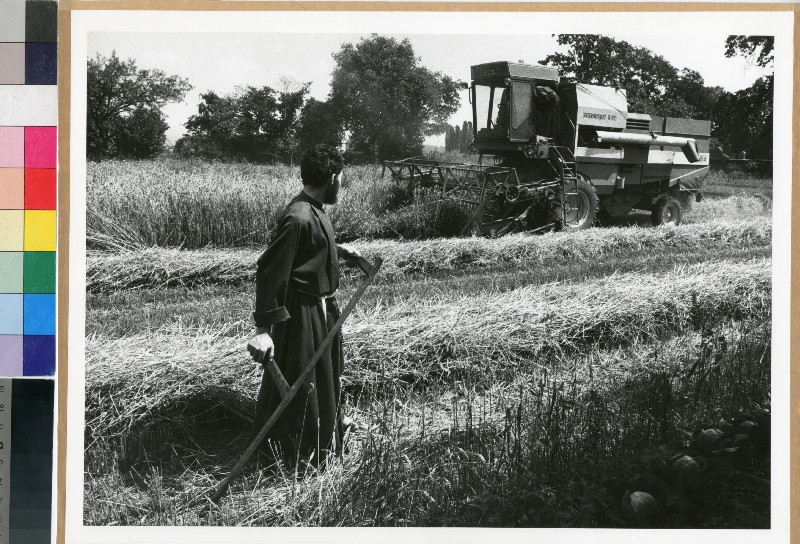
(521, 381)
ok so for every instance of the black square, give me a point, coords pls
(41, 21)
(31, 460)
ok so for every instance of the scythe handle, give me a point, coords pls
(371, 270)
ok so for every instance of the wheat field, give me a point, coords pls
(194, 205)
(525, 381)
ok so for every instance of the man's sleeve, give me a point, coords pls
(273, 273)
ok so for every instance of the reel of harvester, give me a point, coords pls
(500, 202)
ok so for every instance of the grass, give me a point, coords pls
(553, 446)
(487, 410)
(165, 267)
(193, 205)
(131, 377)
(483, 335)
(144, 309)
(526, 381)
(724, 184)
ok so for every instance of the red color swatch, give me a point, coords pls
(40, 189)
(40, 147)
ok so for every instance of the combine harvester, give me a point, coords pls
(562, 153)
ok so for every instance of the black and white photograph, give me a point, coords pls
(493, 270)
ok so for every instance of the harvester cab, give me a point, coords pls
(554, 154)
(512, 104)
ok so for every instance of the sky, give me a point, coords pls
(223, 61)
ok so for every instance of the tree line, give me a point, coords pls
(742, 121)
(458, 138)
(384, 103)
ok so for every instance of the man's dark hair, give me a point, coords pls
(320, 163)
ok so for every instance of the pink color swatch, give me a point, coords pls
(12, 188)
(40, 147)
(12, 147)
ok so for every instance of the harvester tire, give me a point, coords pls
(587, 206)
(667, 211)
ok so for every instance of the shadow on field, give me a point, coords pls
(684, 447)
(206, 430)
(676, 440)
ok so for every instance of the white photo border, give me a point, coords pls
(777, 23)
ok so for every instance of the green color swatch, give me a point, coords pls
(10, 271)
(40, 272)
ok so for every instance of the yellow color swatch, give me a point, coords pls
(40, 230)
(11, 228)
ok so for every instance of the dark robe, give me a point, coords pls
(300, 266)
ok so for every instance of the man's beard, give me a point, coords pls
(331, 192)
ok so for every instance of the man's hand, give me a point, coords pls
(260, 345)
(347, 252)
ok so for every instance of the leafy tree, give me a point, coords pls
(743, 120)
(458, 138)
(257, 124)
(466, 136)
(141, 134)
(387, 100)
(688, 96)
(759, 49)
(211, 130)
(319, 124)
(122, 97)
(653, 85)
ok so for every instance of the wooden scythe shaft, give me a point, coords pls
(370, 271)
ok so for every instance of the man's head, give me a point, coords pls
(320, 167)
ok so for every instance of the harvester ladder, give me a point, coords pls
(567, 170)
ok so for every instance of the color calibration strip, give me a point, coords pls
(28, 147)
(28, 110)
(26, 460)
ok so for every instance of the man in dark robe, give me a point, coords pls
(295, 307)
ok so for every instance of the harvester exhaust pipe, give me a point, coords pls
(687, 145)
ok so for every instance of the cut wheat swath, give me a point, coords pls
(164, 267)
(131, 379)
(370, 270)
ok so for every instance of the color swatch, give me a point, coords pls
(28, 162)
(28, 71)
(28, 42)
(27, 250)
(26, 460)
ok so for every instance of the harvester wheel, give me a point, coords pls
(581, 209)
(667, 211)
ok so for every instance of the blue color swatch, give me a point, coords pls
(38, 355)
(40, 314)
(40, 63)
(11, 314)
